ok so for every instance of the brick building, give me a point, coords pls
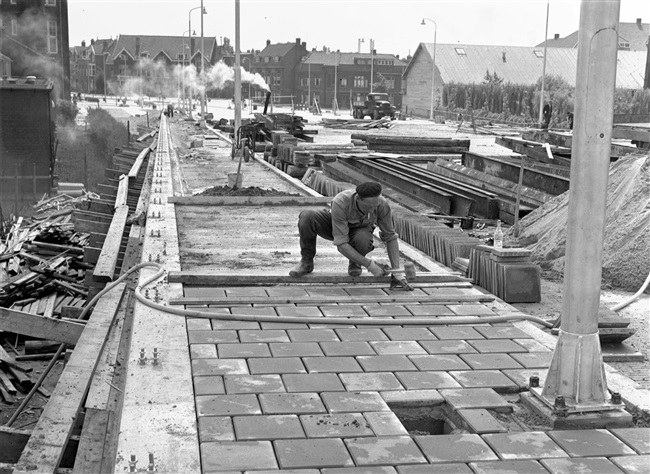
(277, 64)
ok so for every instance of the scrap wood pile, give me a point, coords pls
(358, 124)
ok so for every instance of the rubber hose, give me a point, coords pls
(622, 305)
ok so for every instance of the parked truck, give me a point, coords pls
(376, 105)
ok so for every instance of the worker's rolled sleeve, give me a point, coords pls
(346, 216)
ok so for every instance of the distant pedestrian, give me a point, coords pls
(170, 110)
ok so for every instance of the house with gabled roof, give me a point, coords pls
(631, 37)
(277, 63)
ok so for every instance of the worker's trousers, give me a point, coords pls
(312, 224)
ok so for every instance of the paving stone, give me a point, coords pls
(263, 335)
(215, 428)
(455, 332)
(291, 403)
(360, 470)
(237, 455)
(209, 385)
(326, 291)
(342, 310)
(530, 445)
(203, 351)
(203, 292)
(218, 367)
(352, 291)
(413, 398)
(481, 421)
(451, 346)
(219, 324)
(198, 324)
(476, 398)
(384, 450)
(490, 361)
(471, 310)
(387, 310)
(294, 291)
(385, 423)
(485, 378)
(267, 427)
(299, 311)
(243, 351)
(580, 465)
(385, 363)
(295, 349)
(409, 334)
(319, 453)
(239, 291)
(351, 348)
(632, 464)
(532, 345)
(350, 402)
(534, 360)
(429, 310)
(522, 376)
(285, 471)
(486, 346)
(338, 425)
(455, 448)
(637, 438)
(253, 383)
(438, 362)
(209, 336)
(277, 365)
(332, 364)
(312, 383)
(508, 467)
(446, 291)
(586, 443)
(312, 335)
(449, 468)
(502, 332)
(284, 326)
(397, 347)
(426, 380)
(257, 311)
(374, 381)
(361, 334)
(216, 405)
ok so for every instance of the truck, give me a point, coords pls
(376, 105)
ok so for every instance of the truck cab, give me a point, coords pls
(376, 105)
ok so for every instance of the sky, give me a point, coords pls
(394, 25)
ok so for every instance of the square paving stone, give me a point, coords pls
(295, 349)
(580, 466)
(263, 335)
(455, 448)
(455, 332)
(384, 450)
(586, 443)
(471, 310)
(429, 310)
(256, 311)
(508, 467)
(502, 332)
(332, 364)
(218, 367)
(237, 455)
(485, 378)
(522, 376)
(351, 348)
(385, 363)
(319, 453)
(492, 345)
(287, 291)
(530, 445)
(350, 402)
(370, 334)
(449, 468)
(397, 347)
(438, 362)
(210, 336)
(291, 403)
(209, 385)
(410, 334)
(284, 326)
(253, 383)
(532, 345)
(385, 423)
(637, 438)
(426, 380)
(490, 361)
(374, 381)
(267, 427)
(413, 398)
(534, 360)
(326, 291)
(203, 351)
(481, 421)
(633, 464)
(284, 471)
(215, 428)
(338, 425)
(387, 310)
(203, 292)
(246, 291)
(198, 324)
(312, 335)
(365, 291)
(243, 351)
(451, 346)
(299, 311)
(277, 365)
(312, 383)
(343, 310)
(476, 398)
(216, 405)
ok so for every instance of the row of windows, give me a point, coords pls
(48, 3)
(52, 27)
(360, 82)
(267, 59)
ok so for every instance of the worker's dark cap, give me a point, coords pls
(369, 189)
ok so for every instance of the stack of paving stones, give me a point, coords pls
(319, 398)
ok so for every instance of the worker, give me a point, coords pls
(350, 225)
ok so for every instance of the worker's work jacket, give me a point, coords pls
(346, 215)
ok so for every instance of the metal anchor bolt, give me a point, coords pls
(152, 466)
(616, 398)
(150, 257)
(132, 463)
(151, 235)
(159, 215)
(146, 293)
(533, 381)
(158, 233)
(155, 356)
(158, 258)
(143, 358)
(560, 406)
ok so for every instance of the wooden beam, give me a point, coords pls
(249, 201)
(135, 169)
(105, 268)
(122, 191)
(41, 327)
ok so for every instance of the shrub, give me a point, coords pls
(66, 112)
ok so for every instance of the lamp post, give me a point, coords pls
(189, 37)
(372, 62)
(181, 77)
(433, 67)
(105, 54)
(250, 101)
(541, 95)
(189, 19)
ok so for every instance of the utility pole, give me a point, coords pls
(237, 72)
(202, 74)
(541, 96)
(372, 62)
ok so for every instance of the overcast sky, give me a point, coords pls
(339, 24)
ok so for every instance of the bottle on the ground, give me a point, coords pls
(498, 236)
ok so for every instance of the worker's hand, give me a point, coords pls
(375, 269)
(398, 281)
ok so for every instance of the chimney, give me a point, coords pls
(304, 45)
(638, 23)
(268, 42)
(137, 46)
(298, 41)
(83, 43)
(557, 36)
(503, 56)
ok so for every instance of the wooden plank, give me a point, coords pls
(27, 324)
(91, 444)
(50, 436)
(49, 305)
(249, 201)
(135, 169)
(105, 268)
(122, 191)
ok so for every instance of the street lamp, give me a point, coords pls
(189, 37)
(433, 68)
(181, 95)
(104, 55)
(189, 18)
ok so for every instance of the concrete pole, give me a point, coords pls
(237, 72)
(372, 62)
(577, 371)
(201, 73)
(541, 96)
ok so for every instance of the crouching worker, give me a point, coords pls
(350, 224)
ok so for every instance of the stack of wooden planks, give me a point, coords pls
(412, 144)
(358, 124)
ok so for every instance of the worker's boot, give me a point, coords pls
(305, 266)
(354, 269)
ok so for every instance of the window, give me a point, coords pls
(50, 3)
(304, 81)
(51, 37)
(317, 81)
(460, 51)
(257, 59)
(14, 27)
(276, 59)
(359, 81)
(84, 54)
(384, 62)
(267, 59)
(276, 80)
(181, 57)
(624, 44)
(91, 70)
(343, 82)
(538, 53)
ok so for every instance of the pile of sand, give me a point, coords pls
(626, 251)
